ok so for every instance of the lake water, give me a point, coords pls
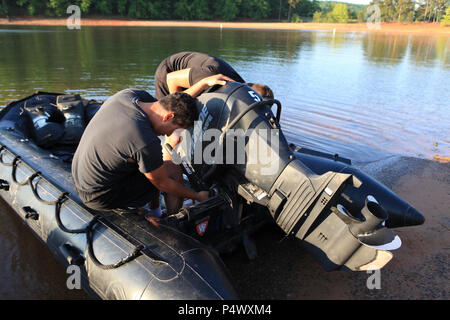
(364, 96)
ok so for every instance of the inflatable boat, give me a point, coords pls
(341, 215)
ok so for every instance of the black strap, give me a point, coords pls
(90, 236)
(36, 194)
(15, 163)
(62, 198)
(1, 157)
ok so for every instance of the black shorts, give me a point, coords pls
(161, 89)
(134, 191)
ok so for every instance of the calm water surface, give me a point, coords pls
(364, 96)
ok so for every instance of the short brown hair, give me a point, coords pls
(262, 89)
(183, 106)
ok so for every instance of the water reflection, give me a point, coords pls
(367, 79)
(387, 49)
(392, 49)
(426, 49)
(109, 59)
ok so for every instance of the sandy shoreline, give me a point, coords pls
(411, 28)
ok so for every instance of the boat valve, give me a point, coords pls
(30, 213)
(4, 185)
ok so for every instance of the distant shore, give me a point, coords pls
(410, 28)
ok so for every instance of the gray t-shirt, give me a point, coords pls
(119, 131)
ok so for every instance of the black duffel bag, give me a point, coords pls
(46, 123)
(72, 108)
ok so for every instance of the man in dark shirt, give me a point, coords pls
(181, 71)
(118, 163)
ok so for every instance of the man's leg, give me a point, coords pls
(154, 200)
(173, 203)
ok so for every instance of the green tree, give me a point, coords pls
(59, 7)
(445, 21)
(318, 16)
(255, 9)
(339, 13)
(360, 16)
(388, 9)
(85, 5)
(306, 8)
(4, 8)
(227, 9)
(32, 6)
(121, 7)
(139, 8)
(182, 10)
(201, 10)
(160, 9)
(292, 5)
(103, 6)
(296, 18)
(405, 10)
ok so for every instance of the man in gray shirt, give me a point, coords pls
(119, 164)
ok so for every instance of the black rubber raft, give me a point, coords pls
(343, 216)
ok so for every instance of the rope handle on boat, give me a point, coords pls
(61, 199)
(1, 157)
(14, 164)
(89, 229)
(36, 194)
(90, 237)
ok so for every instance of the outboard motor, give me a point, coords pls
(238, 134)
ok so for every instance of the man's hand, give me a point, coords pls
(203, 84)
(216, 79)
(202, 196)
(161, 180)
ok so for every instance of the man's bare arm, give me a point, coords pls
(178, 80)
(197, 88)
(161, 180)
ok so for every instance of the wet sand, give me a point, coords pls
(405, 28)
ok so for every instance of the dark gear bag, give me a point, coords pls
(90, 110)
(46, 124)
(73, 109)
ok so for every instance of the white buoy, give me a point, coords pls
(334, 32)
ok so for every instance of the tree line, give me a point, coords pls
(413, 10)
(229, 10)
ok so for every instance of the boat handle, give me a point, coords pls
(72, 255)
(30, 213)
(4, 185)
(3, 148)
